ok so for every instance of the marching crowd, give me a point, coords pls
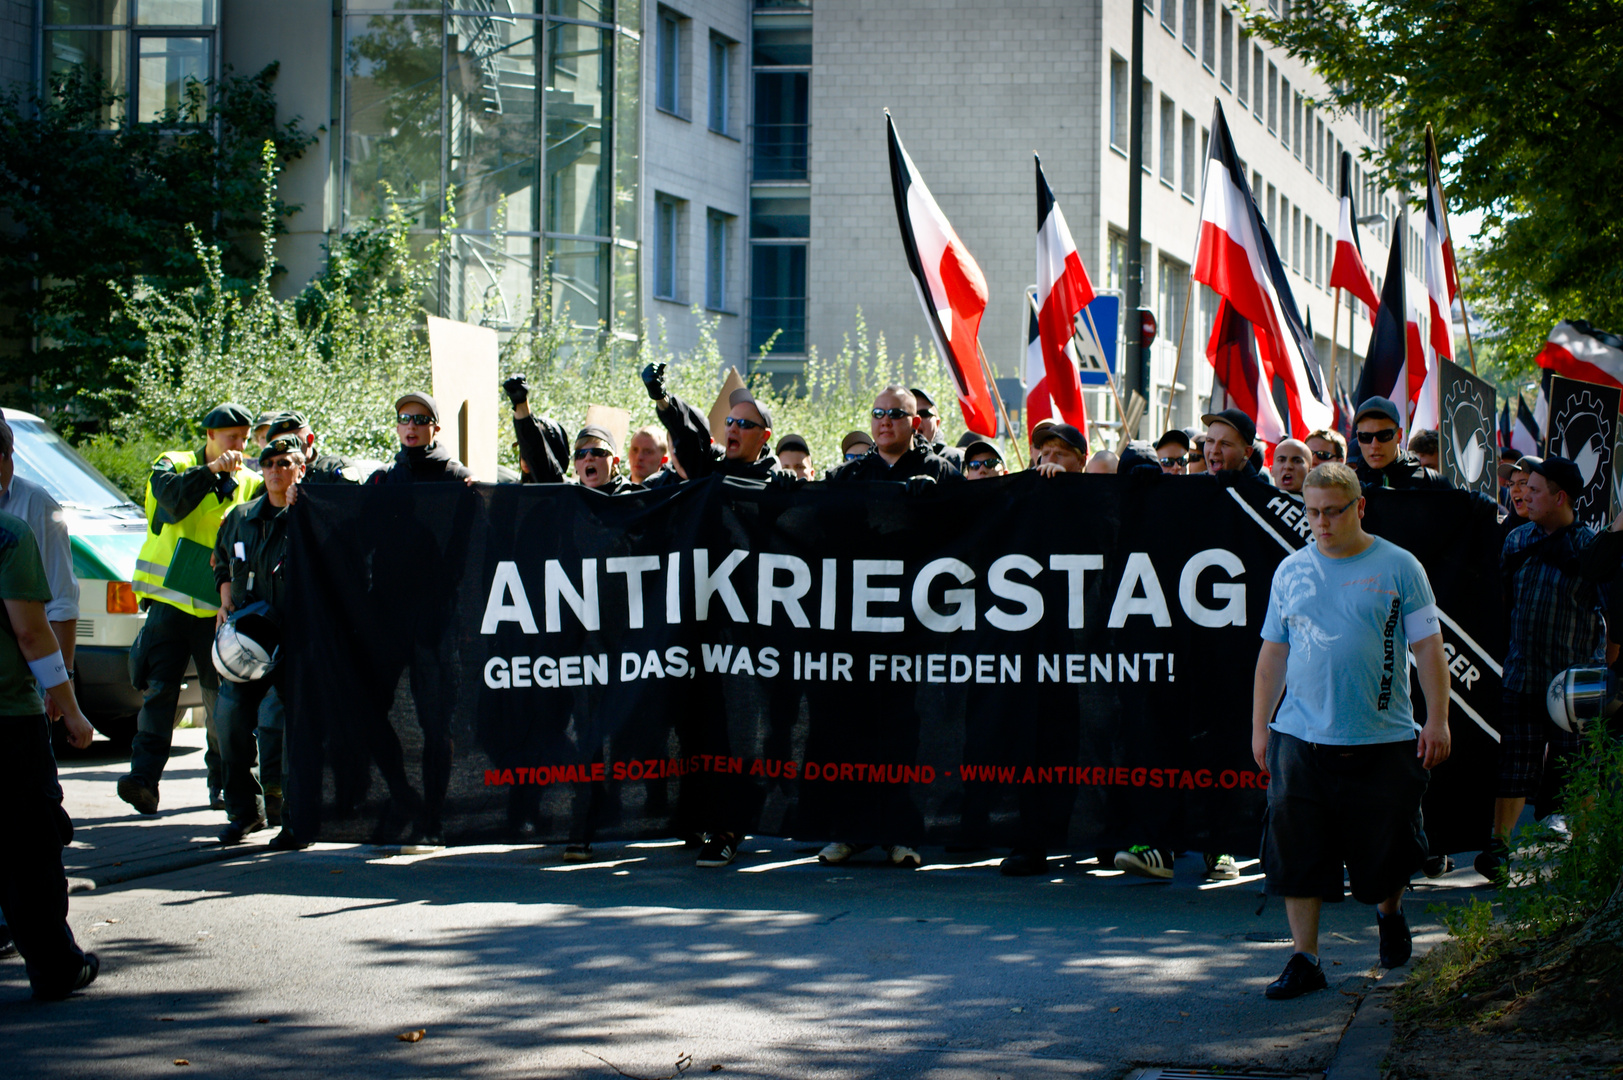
(1347, 757)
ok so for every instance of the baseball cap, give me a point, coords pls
(926, 402)
(1559, 471)
(855, 438)
(978, 445)
(742, 396)
(593, 431)
(1235, 419)
(227, 414)
(1176, 435)
(1065, 432)
(1378, 406)
(421, 399)
(793, 442)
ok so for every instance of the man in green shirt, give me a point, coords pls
(33, 886)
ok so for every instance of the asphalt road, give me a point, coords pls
(311, 964)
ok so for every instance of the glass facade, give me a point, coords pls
(507, 128)
(146, 50)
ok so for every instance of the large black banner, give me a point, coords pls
(1061, 661)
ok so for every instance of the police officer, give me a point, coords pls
(746, 449)
(188, 495)
(319, 467)
(250, 557)
(34, 888)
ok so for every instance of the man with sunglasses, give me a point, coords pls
(1383, 462)
(745, 450)
(1172, 452)
(1346, 759)
(899, 451)
(1326, 445)
(422, 459)
(930, 429)
(854, 445)
(982, 460)
(1292, 460)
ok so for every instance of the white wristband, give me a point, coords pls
(49, 670)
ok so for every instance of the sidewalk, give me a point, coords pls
(112, 843)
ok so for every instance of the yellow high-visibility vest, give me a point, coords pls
(201, 526)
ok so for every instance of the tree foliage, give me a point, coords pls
(1526, 99)
(86, 209)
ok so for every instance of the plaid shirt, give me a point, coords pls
(1556, 610)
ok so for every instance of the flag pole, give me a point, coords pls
(991, 384)
(1177, 365)
(1335, 333)
(1110, 378)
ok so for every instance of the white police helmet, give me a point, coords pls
(1581, 694)
(248, 645)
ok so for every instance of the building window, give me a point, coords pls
(1173, 290)
(778, 298)
(1226, 49)
(668, 62)
(1146, 133)
(174, 45)
(721, 84)
(1208, 37)
(1169, 141)
(718, 237)
(1273, 97)
(1258, 93)
(667, 246)
(1296, 125)
(1242, 81)
(1169, 16)
(1118, 103)
(782, 143)
(1296, 238)
(1189, 160)
(1190, 26)
(1285, 96)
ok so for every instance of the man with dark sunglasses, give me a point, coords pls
(982, 460)
(1325, 446)
(899, 451)
(1383, 462)
(930, 429)
(1172, 452)
(746, 443)
(421, 458)
(543, 445)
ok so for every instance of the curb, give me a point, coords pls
(96, 877)
(1367, 1039)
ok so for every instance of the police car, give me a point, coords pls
(106, 530)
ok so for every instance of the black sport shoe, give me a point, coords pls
(87, 975)
(719, 850)
(1438, 865)
(1396, 944)
(1300, 976)
(1491, 860)
(1024, 862)
(234, 831)
(1146, 861)
(135, 791)
(286, 841)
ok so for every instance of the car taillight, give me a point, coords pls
(121, 598)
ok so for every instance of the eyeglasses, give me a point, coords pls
(591, 451)
(1324, 455)
(407, 419)
(1385, 435)
(742, 424)
(926, 414)
(1314, 514)
(853, 455)
(988, 464)
(1168, 462)
(891, 414)
(280, 463)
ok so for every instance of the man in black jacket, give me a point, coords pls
(899, 452)
(745, 451)
(1383, 462)
(421, 458)
(542, 443)
(250, 555)
(930, 429)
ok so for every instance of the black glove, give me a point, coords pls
(518, 389)
(785, 481)
(653, 377)
(918, 484)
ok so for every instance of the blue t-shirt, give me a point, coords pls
(1349, 623)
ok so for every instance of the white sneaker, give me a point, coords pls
(836, 853)
(903, 856)
(1558, 824)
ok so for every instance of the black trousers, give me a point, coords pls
(158, 666)
(33, 885)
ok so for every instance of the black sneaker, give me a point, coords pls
(1300, 976)
(1146, 861)
(719, 850)
(286, 841)
(87, 975)
(235, 831)
(1491, 860)
(578, 853)
(216, 799)
(1024, 863)
(1438, 865)
(138, 793)
(1396, 944)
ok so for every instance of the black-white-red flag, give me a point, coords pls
(951, 287)
(1231, 350)
(1348, 270)
(1063, 289)
(1237, 258)
(1442, 285)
